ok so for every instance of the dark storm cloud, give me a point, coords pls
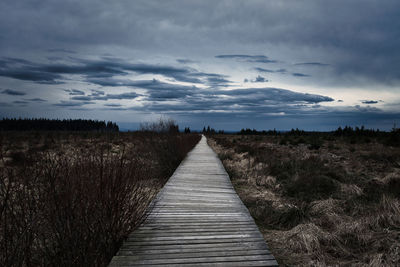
(260, 79)
(250, 102)
(194, 99)
(112, 105)
(362, 43)
(185, 61)
(74, 92)
(145, 84)
(64, 103)
(61, 50)
(129, 95)
(31, 75)
(161, 91)
(370, 102)
(248, 58)
(102, 68)
(156, 89)
(270, 71)
(82, 98)
(218, 81)
(20, 102)
(317, 64)
(12, 92)
(5, 104)
(97, 92)
(297, 74)
(90, 69)
(276, 95)
(264, 70)
(36, 100)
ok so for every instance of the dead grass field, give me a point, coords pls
(69, 199)
(319, 201)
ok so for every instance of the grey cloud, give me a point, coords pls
(352, 42)
(5, 104)
(218, 81)
(36, 100)
(82, 98)
(251, 101)
(260, 79)
(103, 68)
(185, 61)
(64, 103)
(277, 95)
(60, 50)
(129, 95)
(74, 92)
(193, 98)
(97, 92)
(367, 108)
(370, 102)
(12, 92)
(317, 64)
(20, 102)
(156, 89)
(264, 70)
(248, 58)
(27, 75)
(112, 105)
(297, 74)
(270, 71)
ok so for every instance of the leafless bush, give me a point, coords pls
(72, 205)
(162, 125)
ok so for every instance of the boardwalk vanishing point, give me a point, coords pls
(197, 220)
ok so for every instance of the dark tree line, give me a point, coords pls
(249, 131)
(7, 124)
(350, 131)
(210, 130)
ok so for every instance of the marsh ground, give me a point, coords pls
(319, 200)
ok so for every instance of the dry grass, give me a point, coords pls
(69, 199)
(319, 202)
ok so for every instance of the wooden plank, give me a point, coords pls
(193, 241)
(197, 219)
(193, 260)
(215, 246)
(132, 250)
(196, 254)
(215, 264)
(183, 235)
(194, 237)
(149, 230)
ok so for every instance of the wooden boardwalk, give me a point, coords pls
(197, 220)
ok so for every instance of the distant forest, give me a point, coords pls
(346, 131)
(7, 124)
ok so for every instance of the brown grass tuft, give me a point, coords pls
(332, 203)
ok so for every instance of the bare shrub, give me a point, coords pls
(162, 125)
(73, 205)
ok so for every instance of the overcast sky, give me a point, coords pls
(314, 65)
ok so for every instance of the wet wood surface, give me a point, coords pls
(197, 219)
